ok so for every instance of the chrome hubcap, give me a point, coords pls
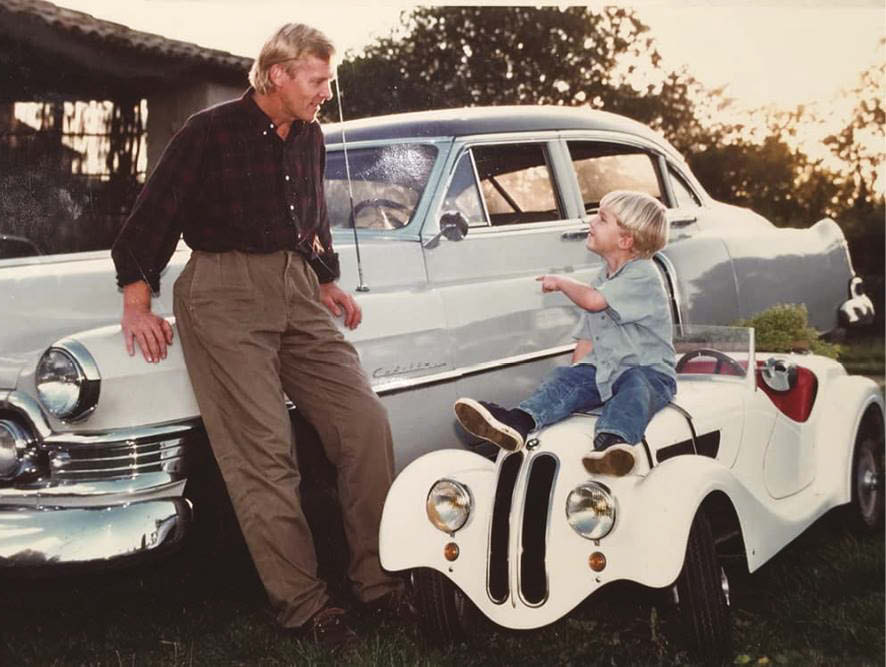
(868, 484)
(724, 586)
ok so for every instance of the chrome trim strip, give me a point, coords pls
(83, 536)
(81, 493)
(671, 277)
(123, 436)
(410, 383)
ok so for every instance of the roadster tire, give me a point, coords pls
(445, 613)
(702, 592)
(866, 507)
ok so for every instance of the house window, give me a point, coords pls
(69, 173)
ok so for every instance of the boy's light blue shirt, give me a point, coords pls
(635, 330)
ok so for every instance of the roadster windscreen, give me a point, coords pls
(387, 182)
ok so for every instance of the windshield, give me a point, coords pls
(387, 183)
(712, 350)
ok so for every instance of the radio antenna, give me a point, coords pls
(361, 286)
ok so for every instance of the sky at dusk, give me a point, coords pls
(780, 53)
(785, 52)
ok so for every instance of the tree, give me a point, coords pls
(466, 56)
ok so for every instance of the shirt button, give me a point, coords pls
(264, 133)
(292, 207)
(286, 177)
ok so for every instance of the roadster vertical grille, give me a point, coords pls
(499, 531)
(533, 577)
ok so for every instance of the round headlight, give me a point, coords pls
(13, 441)
(448, 505)
(590, 510)
(67, 380)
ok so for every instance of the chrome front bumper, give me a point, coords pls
(59, 536)
(100, 498)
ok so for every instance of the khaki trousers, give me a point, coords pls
(253, 332)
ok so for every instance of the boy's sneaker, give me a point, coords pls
(493, 423)
(611, 456)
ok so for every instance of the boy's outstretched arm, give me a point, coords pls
(582, 349)
(583, 296)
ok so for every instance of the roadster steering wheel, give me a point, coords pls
(722, 359)
(379, 204)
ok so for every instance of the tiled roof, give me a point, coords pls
(109, 33)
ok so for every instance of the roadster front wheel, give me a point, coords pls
(445, 613)
(866, 508)
(702, 589)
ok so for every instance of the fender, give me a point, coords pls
(407, 538)
(837, 424)
(657, 519)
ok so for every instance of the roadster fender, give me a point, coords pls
(844, 402)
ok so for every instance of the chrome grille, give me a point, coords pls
(96, 458)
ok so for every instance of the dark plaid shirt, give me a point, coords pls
(226, 181)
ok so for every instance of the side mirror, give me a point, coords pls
(779, 375)
(453, 225)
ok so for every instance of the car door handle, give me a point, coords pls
(574, 236)
(683, 222)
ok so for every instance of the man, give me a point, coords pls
(243, 182)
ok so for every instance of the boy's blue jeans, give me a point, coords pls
(637, 395)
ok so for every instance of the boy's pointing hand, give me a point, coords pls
(549, 283)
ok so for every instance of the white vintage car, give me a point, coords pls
(740, 462)
(456, 212)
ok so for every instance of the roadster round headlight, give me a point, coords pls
(449, 505)
(67, 380)
(590, 510)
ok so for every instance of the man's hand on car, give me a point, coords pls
(338, 301)
(152, 333)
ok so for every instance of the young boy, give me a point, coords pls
(624, 358)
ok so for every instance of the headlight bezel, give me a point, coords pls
(21, 452)
(463, 492)
(605, 522)
(87, 381)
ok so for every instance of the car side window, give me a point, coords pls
(685, 197)
(463, 195)
(602, 167)
(516, 183)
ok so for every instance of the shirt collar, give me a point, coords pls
(620, 269)
(259, 119)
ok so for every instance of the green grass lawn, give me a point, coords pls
(819, 602)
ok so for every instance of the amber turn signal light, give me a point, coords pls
(450, 551)
(597, 561)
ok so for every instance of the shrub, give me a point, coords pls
(785, 328)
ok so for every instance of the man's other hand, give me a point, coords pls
(338, 301)
(140, 326)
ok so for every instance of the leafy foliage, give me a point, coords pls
(785, 328)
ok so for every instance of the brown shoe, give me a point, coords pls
(616, 461)
(329, 628)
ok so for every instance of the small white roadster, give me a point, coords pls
(741, 459)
